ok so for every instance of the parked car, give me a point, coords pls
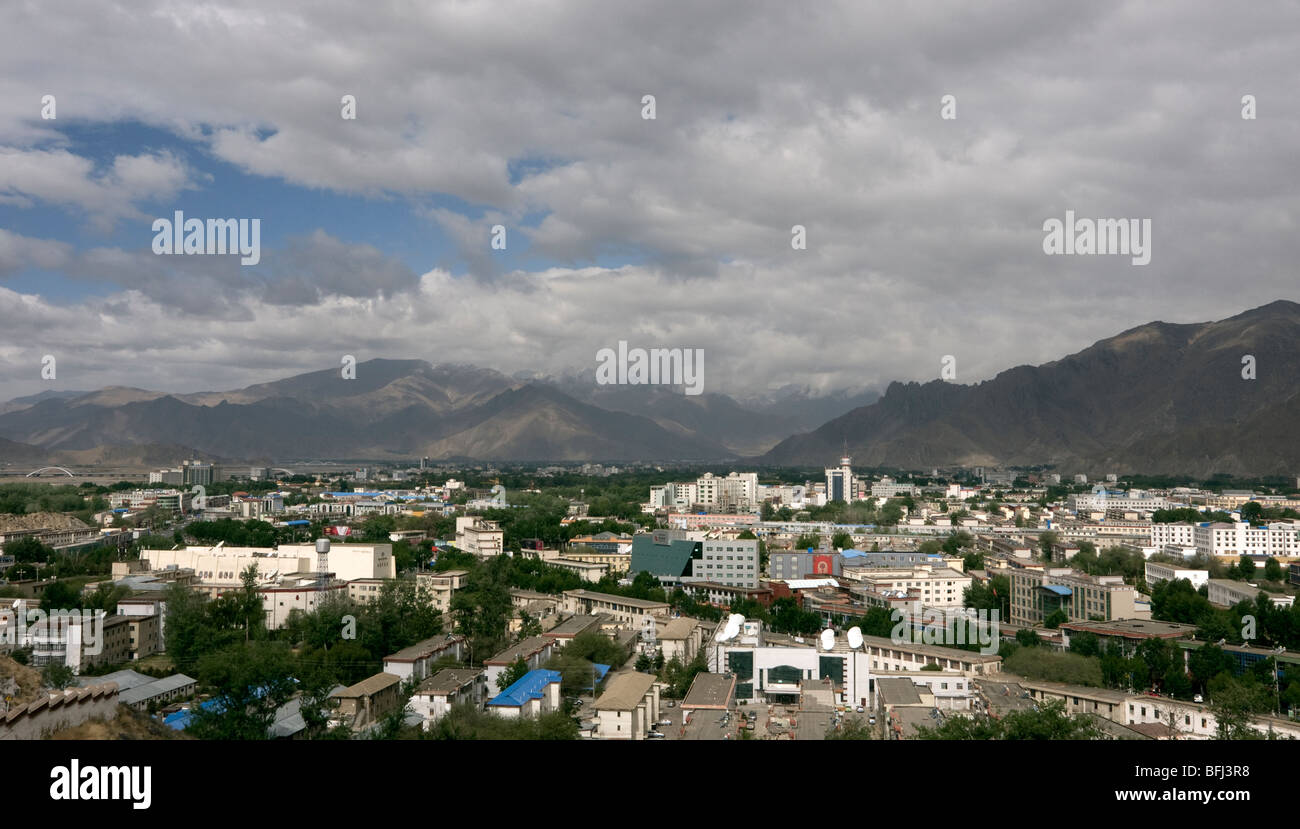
(872, 719)
(672, 703)
(749, 726)
(1198, 698)
(665, 722)
(860, 709)
(656, 735)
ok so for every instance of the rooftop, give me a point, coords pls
(370, 685)
(710, 691)
(530, 686)
(521, 650)
(424, 649)
(624, 691)
(897, 691)
(448, 680)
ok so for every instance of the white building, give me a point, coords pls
(479, 536)
(221, 566)
(450, 686)
(1241, 539)
(628, 708)
(1157, 572)
(732, 562)
(839, 481)
(1101, 499)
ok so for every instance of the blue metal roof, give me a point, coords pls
(529, 686)
(1058, 589)
(601, 670)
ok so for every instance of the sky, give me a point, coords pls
(924, 234)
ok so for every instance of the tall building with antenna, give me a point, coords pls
(839, 481)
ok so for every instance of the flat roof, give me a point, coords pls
(624, 691)
(711, 691)
(1133, 628)
(614, 599)
(573, 625)
(898, 691)
(152, 689)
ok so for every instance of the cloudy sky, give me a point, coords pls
(924, 235)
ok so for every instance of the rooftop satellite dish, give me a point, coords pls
(855, 637)
(828, 639)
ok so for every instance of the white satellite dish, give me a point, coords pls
(828, 639)
(855, 637)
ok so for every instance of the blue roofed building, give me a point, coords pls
(535, 693)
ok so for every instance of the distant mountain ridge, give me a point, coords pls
(1159, 398)
(397, 409)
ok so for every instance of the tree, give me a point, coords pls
(28, 549)
(58, 676)
(1048, 721)
(249, 683)
(1246, 567)
(1057, 618)
(60, 596)
(1273, 570)
(513, 673)
(1045, 542)
(841, 541)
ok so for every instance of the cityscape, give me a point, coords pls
(578, 376)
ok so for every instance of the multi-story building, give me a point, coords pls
(219, 568)
(934, 586)
(479, 536)
(839, 481)
(1226, 593)
(801, 564)
(450, 686)
(628, 708)
(731, 562)
(1241, 539)
(1037, 593)
(1101, 500)
(441, 586)
(889, 488)
(535, 693)
(1157, 572)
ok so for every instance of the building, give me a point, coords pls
(680, 638)
(1037, 593)
(626, 611)
(804, 564)
(450, 686)
(710, 692)
(839, 481)
(588, 571)
(145, 635)
(532, 695)
(889, 488)
(628, 708)
(1101, 500)
(668, 555)
(416, 661)
(934, 586)
(1231, 539)
(80, 641)
(574, 626)
(1226, 593)
(442, 585)
(1128, 633)
(534, 651)
(303, 592)
(1157, 571)
(731, 562)
(159, 692)
(367, 702)
(364, 591)
(220, 567)
(478, 536)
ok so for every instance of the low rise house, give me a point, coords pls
(449, 687)
(367, 702)
(535, 693)
(416, 661)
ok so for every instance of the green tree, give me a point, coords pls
(249, 682)
(1273, 570)
(513, 672)
(58, 676)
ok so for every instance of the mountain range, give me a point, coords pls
(406, 409)
(1159, 398)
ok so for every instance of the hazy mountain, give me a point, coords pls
(1157, 398)
(393, 408)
